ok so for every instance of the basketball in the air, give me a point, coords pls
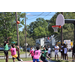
(18, 22)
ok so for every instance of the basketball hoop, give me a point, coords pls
(55, 28)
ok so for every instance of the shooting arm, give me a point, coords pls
(8, 40)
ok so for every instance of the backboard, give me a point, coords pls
(60, 20)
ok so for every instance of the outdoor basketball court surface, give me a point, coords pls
(40, 61)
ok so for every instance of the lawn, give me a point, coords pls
(2, 53)
(30, 59)
(10, 60)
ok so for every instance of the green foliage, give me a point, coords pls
(67, 28)
(38, 28)
(8, 25)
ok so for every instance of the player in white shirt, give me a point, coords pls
(49, 51)
(65, 52)
(56, 51)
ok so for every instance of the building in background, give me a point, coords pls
(48, 41)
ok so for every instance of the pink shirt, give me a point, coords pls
(32, 52)
(13, 51)
(36, 54)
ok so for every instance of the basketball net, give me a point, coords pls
(55, 29)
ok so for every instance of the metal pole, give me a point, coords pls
(74, 32)
(25, 36)
(62, 32)
(17, 33)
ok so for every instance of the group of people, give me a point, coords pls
(35, 54)
(39, 54)
(63, 50)
(12, 49)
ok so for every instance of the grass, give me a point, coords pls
(10, 59)
(2, 53)
(30, 59)
(69, 60)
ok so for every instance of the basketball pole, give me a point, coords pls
(61, 32)
(17, 33)
(25, 37)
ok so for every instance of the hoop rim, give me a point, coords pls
(56, 26)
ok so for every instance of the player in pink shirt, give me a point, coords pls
(31, 52)
(14, 54)
(36, 55)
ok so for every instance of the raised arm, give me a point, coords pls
(8, 40)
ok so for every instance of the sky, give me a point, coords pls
(32, 16)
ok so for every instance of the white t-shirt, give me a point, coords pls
(61, 47)
(57, 47)
(49, 49)
(65, 50)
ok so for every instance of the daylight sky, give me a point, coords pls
(32, 16)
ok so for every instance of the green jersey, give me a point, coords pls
(44, 54)
(6, 47)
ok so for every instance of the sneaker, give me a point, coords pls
(21, 60)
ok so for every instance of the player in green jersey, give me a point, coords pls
(6, 48)
(44, 55)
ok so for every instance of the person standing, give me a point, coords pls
(31, 52)
(73, 50)
(49, 51)
(62, 50)
(65, 52)
(56, 51)
(6, 48)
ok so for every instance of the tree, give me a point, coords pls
(8, 25)
(67, 28)
(38, 28)
(30, 40)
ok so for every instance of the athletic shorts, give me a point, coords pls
(6, 52)
(56, 52)
(35, 60)
(14, 56)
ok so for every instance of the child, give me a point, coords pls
(49, 51)
(56, 51)
(62, 51)
(6, 48)
(44, 55)
(73, 52)
(31, 52)
(14, 54)
(36, 55)
(65, 52)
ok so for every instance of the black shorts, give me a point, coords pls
(6, 52)
(62, 52)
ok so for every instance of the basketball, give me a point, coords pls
(18, 22)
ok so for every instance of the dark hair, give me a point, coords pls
(37, 48)
(4, 43)
(13, 45)
(30, 47)
(65, 45)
